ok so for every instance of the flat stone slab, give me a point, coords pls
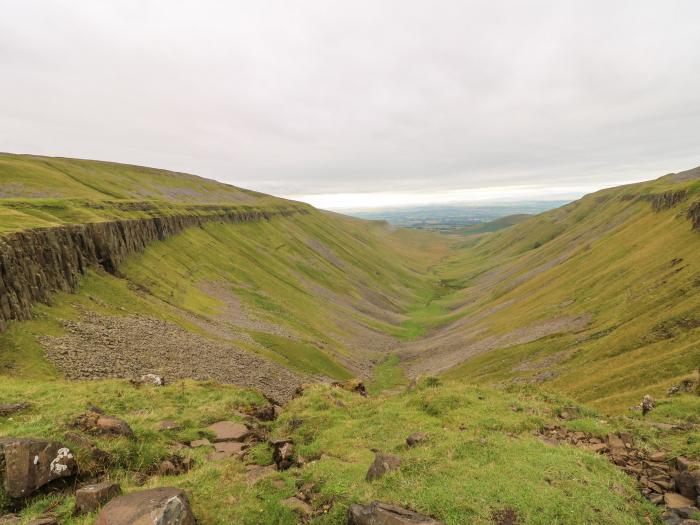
(385, 514)
(255, 473)
(200, 443)
(229, 431)
(225, 450)
(161, 506)
(677, 501)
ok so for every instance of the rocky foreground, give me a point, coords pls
(429, 455)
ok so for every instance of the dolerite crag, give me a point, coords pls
(36, 263)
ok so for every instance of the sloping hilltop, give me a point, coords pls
(314, 363)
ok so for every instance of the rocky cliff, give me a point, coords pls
(694, 214)
(666, 200)
(36, 263)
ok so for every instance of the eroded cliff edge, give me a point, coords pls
(37, 263)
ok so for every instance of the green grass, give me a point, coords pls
(480, 456)
(387, 375)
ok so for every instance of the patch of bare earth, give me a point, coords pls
(127, 347)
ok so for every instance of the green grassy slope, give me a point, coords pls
(319, 292)
(495, 225)
(611, 284)
(46, 191)
(480, 457)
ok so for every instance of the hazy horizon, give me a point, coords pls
(361, 104)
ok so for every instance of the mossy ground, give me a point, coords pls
(481, 455)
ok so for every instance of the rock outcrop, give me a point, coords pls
(694, 215)
(162, 506)
(384, 514)
(382, 464)
(36, 263)
(28, 464)
(666, 200)
(91, 497)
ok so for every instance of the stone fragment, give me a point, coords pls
(416, 438)
(648, 404)
(616, 446)
(43, 520)
(298, 505)
(228, 431)
(263, 413)
(384, 514)
(283, 453)
(95, 422)
(160, 506)
(91, 497)
(673, 500)
(353, 385)
(657, 457)
(152, 379)
(29, 464)
(382, 464)
(225, 450)
(166, 425)
(255, 473)
(688, 482)
(7, 409)
(200, 443)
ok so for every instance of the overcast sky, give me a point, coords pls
(358, 102)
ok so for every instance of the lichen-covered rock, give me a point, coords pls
(161, 506)
(29, 464)
(384, 514)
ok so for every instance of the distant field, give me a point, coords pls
(458, 218)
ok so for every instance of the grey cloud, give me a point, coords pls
(323, 97)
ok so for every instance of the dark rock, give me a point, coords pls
(36, 263)
(384, 514)
(353, 385)
(91, 497)
(382, 464)
(228, 431)
(688, 482)
(113, 426)
(29, 464)
(161, 506)
(416, 438)
(263, 413)
(97, 423)
(7, 409)
(507, 516)
(283, 453)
